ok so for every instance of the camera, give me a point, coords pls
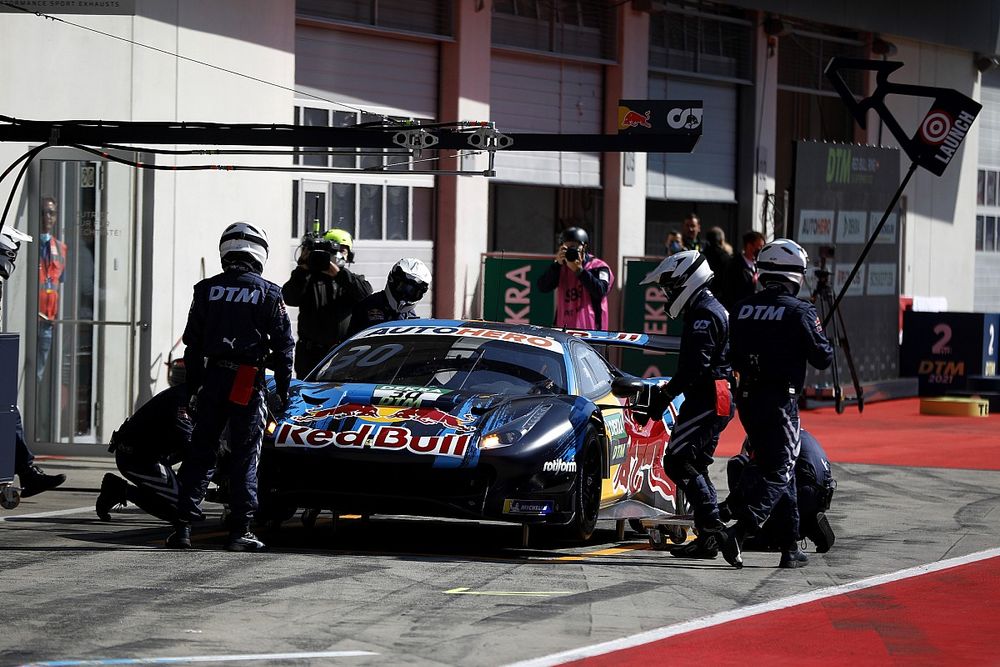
(321, 252)
(572, 254)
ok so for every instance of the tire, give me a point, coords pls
(637, 527)
(587, 489)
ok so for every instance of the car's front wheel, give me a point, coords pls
(587, 491)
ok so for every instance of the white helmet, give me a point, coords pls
(680, 276)
(783, 260)
(408, 281)
(246, 238)
(10, 242)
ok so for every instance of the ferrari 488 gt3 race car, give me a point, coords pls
(469, 419)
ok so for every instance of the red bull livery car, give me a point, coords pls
(469, 419)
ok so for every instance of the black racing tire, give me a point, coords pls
(587, 489)
(637, 527)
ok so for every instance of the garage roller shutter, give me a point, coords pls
(397, 76)
(709, 173)
(546, 96)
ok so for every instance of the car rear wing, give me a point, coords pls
(623, 339)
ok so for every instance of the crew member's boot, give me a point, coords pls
(113, 494)
(705, 546)
(793, 558)
(243, 539)
(34, 481)
(181, 537)
(822, 534)
(731, 544)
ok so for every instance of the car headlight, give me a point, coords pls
(512, 432)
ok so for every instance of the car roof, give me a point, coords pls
(528, 329)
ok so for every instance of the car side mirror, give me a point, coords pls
(626, 386)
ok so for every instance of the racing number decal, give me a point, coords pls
(406, 396)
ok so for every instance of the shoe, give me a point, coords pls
(705, 546)
(181, 537)
(35, 481)
(730, 542)
(244, 541)
(822, 534)
(112, 495)
(791, 559)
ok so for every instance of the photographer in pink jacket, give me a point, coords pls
(581, 282)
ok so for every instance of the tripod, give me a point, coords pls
(822, 297)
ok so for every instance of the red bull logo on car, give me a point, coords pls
(385, 415)
(393, 438)
(644, 463)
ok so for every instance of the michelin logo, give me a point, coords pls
(559, 466)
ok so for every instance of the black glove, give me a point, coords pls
(658, 402)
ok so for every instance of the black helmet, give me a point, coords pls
(574, 234)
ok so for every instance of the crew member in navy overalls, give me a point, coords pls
(774, 335)
(407, 283)
(237, 325)
(703, 376)
(146, 446)
(814, 487)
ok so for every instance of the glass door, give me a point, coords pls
(82, 347)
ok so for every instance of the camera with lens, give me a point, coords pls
(321, 252)
(822, 273)
(572, 254)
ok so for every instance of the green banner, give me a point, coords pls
(644, 311)
(511, 294)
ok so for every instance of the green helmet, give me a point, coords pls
(340, 237)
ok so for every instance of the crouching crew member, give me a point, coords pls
(703, 376)
(145, 446)
(814, 487)
(237, 325)
(774, 335)
(407, 284)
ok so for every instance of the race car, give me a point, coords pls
(470, 419)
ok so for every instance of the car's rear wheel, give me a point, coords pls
(587, 496)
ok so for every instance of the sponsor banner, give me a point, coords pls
(103, 7)
(475, 332)
(840, 273)
(852, 226)
(888, 233)
(660, 116)
(815, 226)
(534, 507)
(510, 292)
(881, 279)
(368, 436)
(644, 309)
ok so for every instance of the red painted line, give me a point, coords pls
(948, 617)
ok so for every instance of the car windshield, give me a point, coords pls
(455, 362)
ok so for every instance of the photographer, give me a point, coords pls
(325, 291)
(581, 282)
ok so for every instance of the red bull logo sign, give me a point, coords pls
(390, 438)
(385, 415)
(627, 118)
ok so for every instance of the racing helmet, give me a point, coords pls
(176, 372)
(785, 261)
(343, 239)
(574, 234)
(243, 240)
(10, 242)
(408, 281)
(680, 276)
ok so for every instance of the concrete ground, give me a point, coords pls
(409, 592)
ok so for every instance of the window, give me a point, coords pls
(570, 27)
(719, 45)
(428, 17)
(988, 210)
(389, 202)
(592, 372)
(803, 55)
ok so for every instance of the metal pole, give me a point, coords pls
(871, 242)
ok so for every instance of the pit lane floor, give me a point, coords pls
(407, 592)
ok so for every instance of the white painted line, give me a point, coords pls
(40, 515)
(199, 658)
(753, 610)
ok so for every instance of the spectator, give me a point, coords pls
(691, 230)
(739, 277)
(581, 282)
(673, 243)
(717, 251)
(51, 275)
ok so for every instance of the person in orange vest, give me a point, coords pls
(51, 265)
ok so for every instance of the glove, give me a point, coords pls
(658, 402)
(193, 406)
